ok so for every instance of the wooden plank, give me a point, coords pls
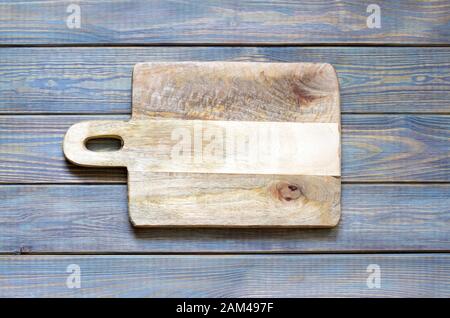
(377, 148)
(414, 275)
(94, 219)
(121, 21)
(98, 80)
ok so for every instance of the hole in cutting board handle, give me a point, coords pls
(104, 143)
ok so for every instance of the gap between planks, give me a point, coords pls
(243, 253)
(240, 45)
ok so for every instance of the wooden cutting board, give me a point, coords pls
(226, 144)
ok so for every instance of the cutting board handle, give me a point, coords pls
(76, 137)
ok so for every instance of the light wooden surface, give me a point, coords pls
(264, 177)
(237, 91)
(394, 85)
(210, 146)
(414, 275)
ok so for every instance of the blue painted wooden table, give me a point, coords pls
(64, 62)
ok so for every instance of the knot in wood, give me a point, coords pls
(288, 191)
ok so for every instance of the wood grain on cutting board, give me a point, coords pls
(296, 185)
(211, 146)
(237, 91)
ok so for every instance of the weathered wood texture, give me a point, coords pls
(289, 175)
(415, 275)
(236, 91)
(98, 80)
(378, 148)
(210, 146)
(326, 21)
(300, 187)
(94, 219)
